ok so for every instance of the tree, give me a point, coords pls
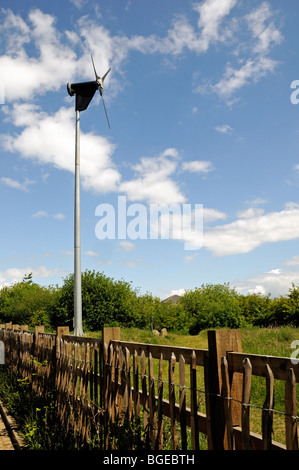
(212, 306)
(256, 308)
(104, 301)
(27, 303)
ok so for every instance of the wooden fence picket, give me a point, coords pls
(245, 404)
(129, 385)
(182, 402)
(172, 402)
(144, 392)
(291, 412)
(267, 413)
(193, 399)
(226, 394)
(159, 442)
(152, 402)
(136, 389)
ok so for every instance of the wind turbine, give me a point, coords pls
(84, 93)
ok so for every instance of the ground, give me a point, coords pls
(5, 442)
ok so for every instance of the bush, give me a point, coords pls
(212, 306)
(104, 301)
(27, 303)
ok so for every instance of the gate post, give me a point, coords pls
(220, 342)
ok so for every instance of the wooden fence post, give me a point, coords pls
(110, 334)
(62, 330)
(220, 342)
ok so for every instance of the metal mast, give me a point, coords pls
(78, 329)
(84, 93)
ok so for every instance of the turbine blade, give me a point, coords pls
(95, 72)
(106, 112)
(103, 78)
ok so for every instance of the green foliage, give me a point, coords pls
(256, 308)
(104, 301)
(212, 306)
(36, 415)
(151, 310)
(27, 303)
(108, 302)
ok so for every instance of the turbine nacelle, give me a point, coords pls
(85, 91)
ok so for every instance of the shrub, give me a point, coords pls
(212, 306)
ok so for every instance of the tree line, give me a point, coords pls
(110, 302)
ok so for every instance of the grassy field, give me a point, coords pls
(273, 342)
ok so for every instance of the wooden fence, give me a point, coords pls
(156, 397)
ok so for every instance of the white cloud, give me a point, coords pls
(58, 61)
(276, 282)
(224, 129)
(190, 258)
(40, 214)
(13, 275)
(254, 63)
(91, 253)
(16, 184)
(179, 292)
(197, 166)
(294, 261)
(236, 78)
(78, 3)
(35, 141)
(59, 216)
(266, 35)
(130, 264)
(210, 215)
(24, 76)
(251, 212)
(253, 229)
(126, 245)
(152, 182)
(212, 13)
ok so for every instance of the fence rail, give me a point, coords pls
(158, 397)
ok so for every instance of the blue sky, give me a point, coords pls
(202, 112)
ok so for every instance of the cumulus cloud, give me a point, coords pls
(275, 282)
(39, 214)
(12, 275)
(197, 166)
(12, 183)
(50, 139)
(126, 245)
(64, 56)
(236, 78)
(265, 32)
(153, 181)
(252, 229)
(254, 63)
(224, 129)
(211, 16)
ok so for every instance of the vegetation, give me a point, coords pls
(35, 416)
(106, 301)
